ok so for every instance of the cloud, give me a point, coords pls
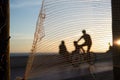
(24, 3)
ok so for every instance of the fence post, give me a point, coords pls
(4, 40)
(116, 36)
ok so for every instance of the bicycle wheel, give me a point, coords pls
(91, 58)
(75, 59)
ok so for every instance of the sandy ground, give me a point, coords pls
(15, 72)
(103, 75)
(18, 66)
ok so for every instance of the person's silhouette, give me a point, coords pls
(87, 39)
(62, 48)
(76, 47)
(110, 47)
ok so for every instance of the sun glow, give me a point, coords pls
(118, 42)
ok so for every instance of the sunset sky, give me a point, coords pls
(23, 17)
(64, 21)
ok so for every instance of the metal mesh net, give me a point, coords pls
(63, 20)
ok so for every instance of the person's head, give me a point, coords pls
(75, 43)
(62, 42)
(84, 31)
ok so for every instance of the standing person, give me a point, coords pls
(87, 39)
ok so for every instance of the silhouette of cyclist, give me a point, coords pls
(87, 39)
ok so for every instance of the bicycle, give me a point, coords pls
(78, 56)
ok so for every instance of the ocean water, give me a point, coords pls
(19, 54)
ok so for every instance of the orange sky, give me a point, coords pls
(62, 23)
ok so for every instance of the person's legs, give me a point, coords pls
(88, 48)
(81, 46)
